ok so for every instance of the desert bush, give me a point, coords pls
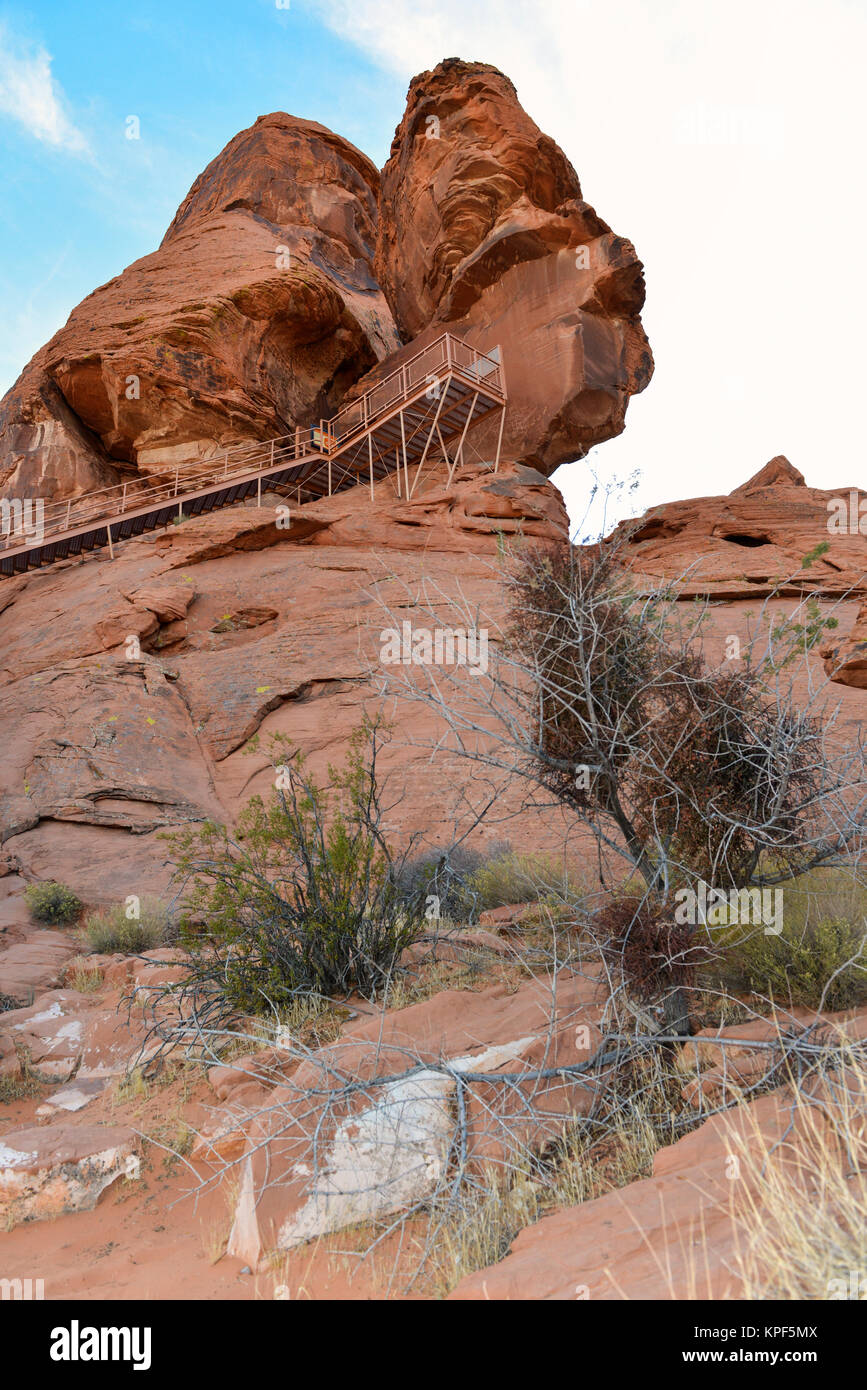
(600, 696)
(305, 896)
(52, 903)
(695, 770)
(512, 877)
(826, 893)
(823, 965)
(110, 930)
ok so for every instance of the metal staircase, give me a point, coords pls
(426, 407)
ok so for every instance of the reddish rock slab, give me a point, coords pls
(669, 1236)
(846, 660)
(73, 1097)
(61, 1168)
(28, 967)
(95, 1034)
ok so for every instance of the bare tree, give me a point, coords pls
(599, 693)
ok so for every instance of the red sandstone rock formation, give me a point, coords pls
(743, 545)
(260, 310)
(846, 660)
(242, 626)
(753, 543)
(256, 313)
(483, 228)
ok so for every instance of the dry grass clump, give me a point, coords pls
(518, 878)
(800, 1211)
(311, 1021)
(643, 1112)
(479, 1230)
(24, 1086)
(111, 930)
(474, 970)
(82, 976)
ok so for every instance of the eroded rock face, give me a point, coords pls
(131, 686)
(752, 545)
(846, 660)
(261, 310)
(745, 544)
(255, 314)
(483, 229)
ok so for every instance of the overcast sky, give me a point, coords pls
(723, 137)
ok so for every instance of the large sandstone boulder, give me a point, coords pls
(34, 964)
(256, 313)
(364, 1127)
(483, 230)
(260, 311)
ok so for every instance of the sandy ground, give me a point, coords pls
(153, 1238)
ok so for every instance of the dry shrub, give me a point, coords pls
(657, 958)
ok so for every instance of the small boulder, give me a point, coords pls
(47, 1171)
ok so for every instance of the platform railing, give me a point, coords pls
(112, 503)
(447, 354)
(426, 367)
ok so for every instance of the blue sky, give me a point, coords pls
(724, 137)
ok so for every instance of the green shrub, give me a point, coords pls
(53, 903)
(305, 896)
(110, 929)
(518, 878)
(799, 965)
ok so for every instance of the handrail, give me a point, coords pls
(357, 418)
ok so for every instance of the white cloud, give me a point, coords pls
(723, 137)
(30, 95)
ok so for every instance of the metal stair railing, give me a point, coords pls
(447, 355)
